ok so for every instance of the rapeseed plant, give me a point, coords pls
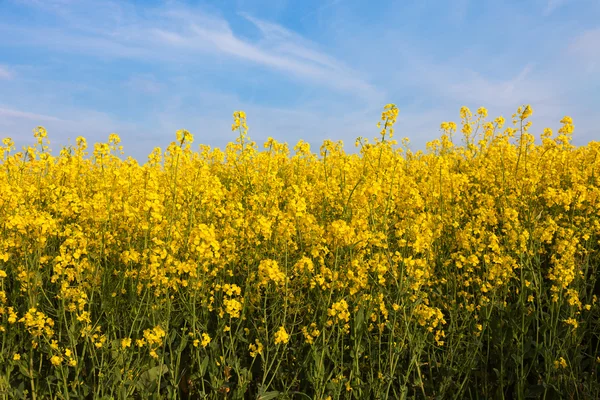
(468, 270)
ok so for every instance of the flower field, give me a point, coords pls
(468, 270)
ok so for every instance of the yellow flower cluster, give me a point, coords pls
(58, 358)
(269, 271)
(281, 336)
(37, 323)
(339, 310)
(560, 363)
(242, 242)
(312, 334)
(206, 339)
(255, 348)
(153, 338)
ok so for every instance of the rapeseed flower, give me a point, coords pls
(281, 336)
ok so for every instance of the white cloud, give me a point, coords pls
(455, 82)
(145, 83)
(288, 42)
(5, 73)
(317, 13)
(586, 47)
(175, 40)
(10, 113)
(171, 30)
(502, 93)
(460, 8)
(553, 5)
(94, 126)
(278, 48)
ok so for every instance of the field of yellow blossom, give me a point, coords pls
(468, 270)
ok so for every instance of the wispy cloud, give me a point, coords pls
(459, 10)
(320, 9)
(162, 32)
(319, 69)
(10, 113)
(553, 5)
(277, 48)
(586, 47)
(5, 73)
(93, 125)
(456, 82)
(145, 83)
(502, 93)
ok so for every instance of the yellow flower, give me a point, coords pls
(154, 336)
(281, 336)
(233, 307)
(17, 357)
(125, 343)
(465, 112)
(340, 311)
(268, 270)
(37, 323)
(526, 112)
(12, 315)
(100, 342)
(560, 363)
(56, 360)
(183, 136)
(571, 321)
(255, 349)
(205, 339)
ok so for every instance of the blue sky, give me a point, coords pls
(310, 70)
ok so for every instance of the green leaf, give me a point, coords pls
(203, 366)
(359, 320)
(183, 343)
(24, 370)
(269, 395)
(154, 373)
(149, 378)
(172, 336)
(535, 391)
